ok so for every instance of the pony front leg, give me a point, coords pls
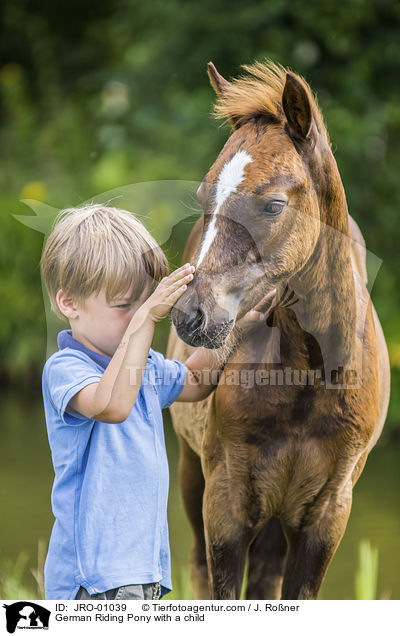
(312, 546)
(227, 537)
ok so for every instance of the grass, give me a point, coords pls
(13, 577)
(366, 578)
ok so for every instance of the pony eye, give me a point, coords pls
(273, 207)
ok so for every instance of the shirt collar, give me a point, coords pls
(65, 339)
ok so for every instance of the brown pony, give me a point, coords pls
(269, 459)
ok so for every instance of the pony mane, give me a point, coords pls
(259, 93)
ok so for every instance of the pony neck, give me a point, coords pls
(325, 285)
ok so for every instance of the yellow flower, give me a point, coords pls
(36, 190)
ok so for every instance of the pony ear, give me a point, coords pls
(218, 82)
(297, 108)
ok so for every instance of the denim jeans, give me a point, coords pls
(145, 591)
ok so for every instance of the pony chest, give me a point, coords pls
(254, 403)
(258, 415)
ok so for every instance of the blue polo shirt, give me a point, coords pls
(110, 490)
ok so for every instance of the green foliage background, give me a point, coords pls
(96, 95)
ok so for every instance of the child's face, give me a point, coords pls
(100, 325)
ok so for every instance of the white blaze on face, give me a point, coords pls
(231, 175)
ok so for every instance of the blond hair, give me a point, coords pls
(99, 247)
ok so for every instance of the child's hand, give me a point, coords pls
(170, 288)
(259, 311)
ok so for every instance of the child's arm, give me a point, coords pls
(112, 399)
(202, 367)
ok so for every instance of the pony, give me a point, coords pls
(268, 461)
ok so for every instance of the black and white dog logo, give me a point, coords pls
(26, 615)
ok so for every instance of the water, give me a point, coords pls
(26, 480)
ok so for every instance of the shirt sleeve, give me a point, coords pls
(170, 378)
(64, 376)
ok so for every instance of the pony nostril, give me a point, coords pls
(197, 321)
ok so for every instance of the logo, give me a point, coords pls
(26, 615)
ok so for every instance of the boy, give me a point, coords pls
(103, 392)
